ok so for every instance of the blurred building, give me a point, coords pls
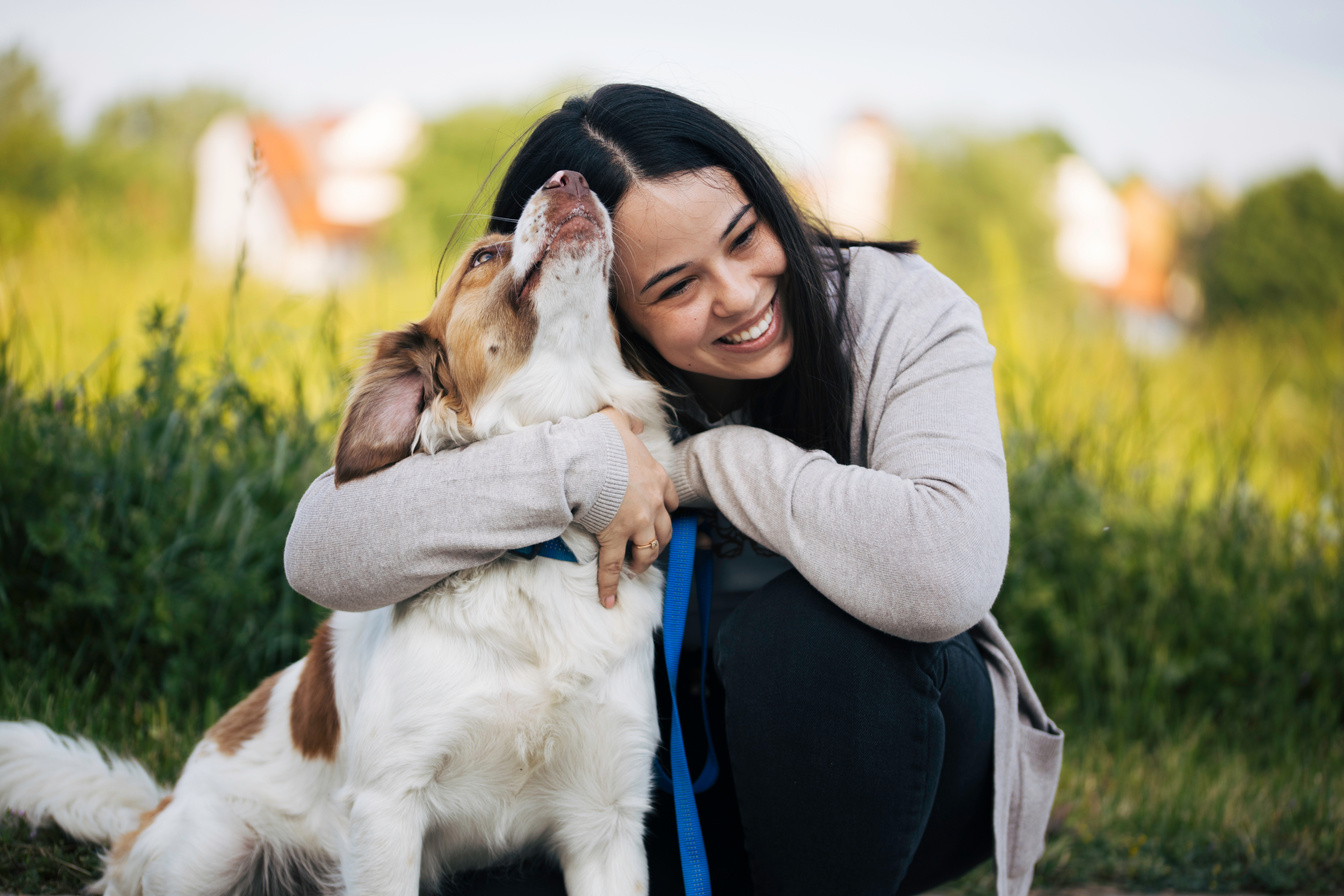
(303, 199)
(1150, 229)
(854, 192)
(1092, 244)
(1124, 245)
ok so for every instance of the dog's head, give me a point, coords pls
(511, 340)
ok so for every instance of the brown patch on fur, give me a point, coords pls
(240, 724)
(122, 847)
(314, 724)
(477, 322)
(487, 331)
(407, 371)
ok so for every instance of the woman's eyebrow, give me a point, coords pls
(668, 272)
(733, 223)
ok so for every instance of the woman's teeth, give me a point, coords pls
(747, 335)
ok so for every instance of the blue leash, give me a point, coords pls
(676, 603)
(681, 568)
(555, 549)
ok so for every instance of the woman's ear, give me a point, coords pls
(407, 371)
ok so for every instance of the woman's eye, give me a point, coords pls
(676, 289)
(745, 237)
(483, 256)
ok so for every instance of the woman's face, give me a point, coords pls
(698, 275)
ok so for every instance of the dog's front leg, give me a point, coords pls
(382, 852)
(601, 850)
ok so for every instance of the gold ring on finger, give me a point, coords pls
(652, 544)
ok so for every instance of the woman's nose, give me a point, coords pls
(737, 291)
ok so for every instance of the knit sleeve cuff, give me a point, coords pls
(597, 478)
(685, 478)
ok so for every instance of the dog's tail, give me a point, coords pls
(88, 793)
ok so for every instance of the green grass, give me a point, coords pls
(140, 533)
(1191, 815)
(1198, 815)
(43, 861)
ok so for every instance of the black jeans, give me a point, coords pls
(853, 761)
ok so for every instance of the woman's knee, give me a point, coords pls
(788, 633)
(829, 720)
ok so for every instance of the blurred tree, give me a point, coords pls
(979, 207)
(136, 166)
(1050, 143)
(33, 152)
(166, 126)
(1279, 253)
(130, 182)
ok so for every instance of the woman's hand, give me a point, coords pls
(645, 514)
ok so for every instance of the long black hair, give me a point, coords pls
(625, 133)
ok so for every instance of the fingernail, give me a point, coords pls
(609, 601)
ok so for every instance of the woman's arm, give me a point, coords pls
(914, 543)
(390, 535)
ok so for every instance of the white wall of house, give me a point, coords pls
(237, 204)
(1091, 244)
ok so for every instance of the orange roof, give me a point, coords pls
(290, 159)
(1152, 248)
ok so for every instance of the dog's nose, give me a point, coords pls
(570, 181)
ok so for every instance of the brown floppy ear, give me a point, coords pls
(408, 369)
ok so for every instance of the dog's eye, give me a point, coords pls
(484, 255)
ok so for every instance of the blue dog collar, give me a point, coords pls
(555, 549)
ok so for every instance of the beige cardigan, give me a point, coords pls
(911, 538)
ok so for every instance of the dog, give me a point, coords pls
(501, 712)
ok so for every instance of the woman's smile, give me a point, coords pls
(758, 333)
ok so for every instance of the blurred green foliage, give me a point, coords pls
(135, 171)
(1280, 252)
(132, 176)
(141, 535)
(33, 153)
(1143, 620)
(966, 198)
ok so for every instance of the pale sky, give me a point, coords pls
(1179, 91)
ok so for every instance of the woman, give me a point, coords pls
(839, 413)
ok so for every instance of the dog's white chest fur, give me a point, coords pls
(500, 690)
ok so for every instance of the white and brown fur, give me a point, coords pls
(502, 711)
